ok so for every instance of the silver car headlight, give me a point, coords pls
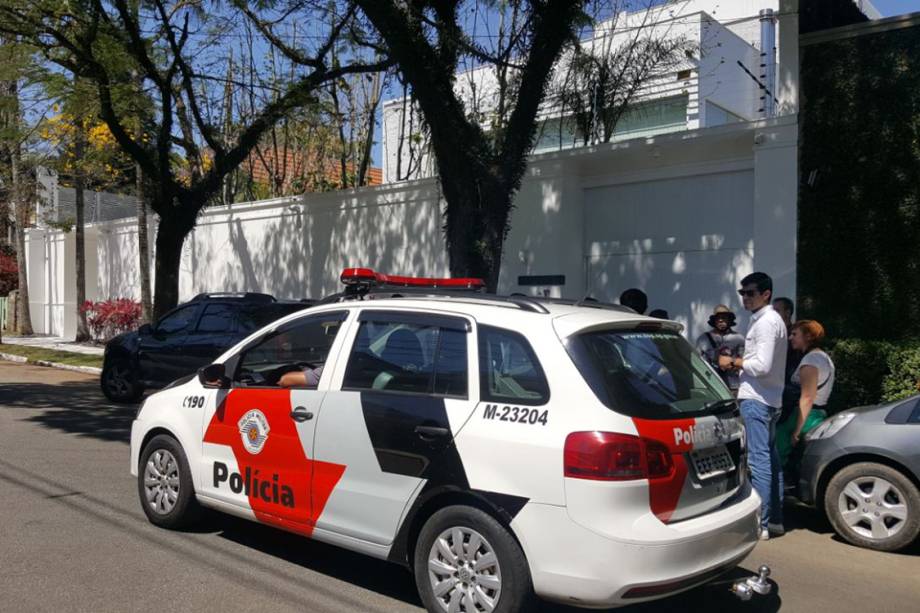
(830, 426)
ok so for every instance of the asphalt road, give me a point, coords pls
(73, 536)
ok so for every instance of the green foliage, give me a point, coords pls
(903, 379)
(869, 372)
(859, 207)
(861, 368)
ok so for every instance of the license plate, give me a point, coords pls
(712, 462)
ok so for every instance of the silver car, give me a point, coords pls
(862, 466)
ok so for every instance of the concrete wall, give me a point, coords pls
(683, 216)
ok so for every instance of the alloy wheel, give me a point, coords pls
(161, 481)
(464, 572)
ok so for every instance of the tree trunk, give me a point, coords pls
(21, 215)
(143, 249)
(80, 238)
(171, 234)
(475, 233)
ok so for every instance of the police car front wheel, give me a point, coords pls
(466, 561)
(165, 484)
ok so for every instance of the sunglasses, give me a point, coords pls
(748, 293)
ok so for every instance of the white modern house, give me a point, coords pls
(694, 192)
(729, 46)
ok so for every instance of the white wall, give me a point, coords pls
(721, 80)
(683, 216)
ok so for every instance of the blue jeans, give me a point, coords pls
(763, 458)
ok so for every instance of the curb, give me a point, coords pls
(11, 357)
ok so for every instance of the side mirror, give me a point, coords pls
(145, 330)
(214, 376)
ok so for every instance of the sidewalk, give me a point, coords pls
(56, 343)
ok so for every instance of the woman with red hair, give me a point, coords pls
(815, 377)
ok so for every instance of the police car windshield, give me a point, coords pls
(649, 374)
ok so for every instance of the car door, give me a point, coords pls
(257, 443)
(159, 353)
(214, 334)
(398, 397)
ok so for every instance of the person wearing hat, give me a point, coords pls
(722, 340)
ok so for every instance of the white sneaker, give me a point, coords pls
(765, 535)
(776, 529)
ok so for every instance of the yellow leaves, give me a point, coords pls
(100, 137)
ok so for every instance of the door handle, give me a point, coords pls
(301, 414)
(431, 432)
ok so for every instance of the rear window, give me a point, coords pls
(508, 369)
(649, 374)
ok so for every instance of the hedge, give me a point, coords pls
(869, 372)
(859, 195)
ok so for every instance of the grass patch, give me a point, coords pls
(53, 355)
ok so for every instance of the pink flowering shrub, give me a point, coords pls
(108, 318)
(9, 271)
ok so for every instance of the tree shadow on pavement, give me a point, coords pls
(77, 407)
(396, 581)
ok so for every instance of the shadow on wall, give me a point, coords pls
(686, 284)
(300, 252)
(118, 262)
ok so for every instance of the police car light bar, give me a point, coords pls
(366, 276)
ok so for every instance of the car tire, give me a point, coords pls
(164, 484)
(447, 568)
(874, 506)
(119, 382)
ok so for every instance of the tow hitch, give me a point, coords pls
(744, 589)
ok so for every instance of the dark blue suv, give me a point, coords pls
(190, 336)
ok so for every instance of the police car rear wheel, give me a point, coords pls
(466, 561)
(165, 484)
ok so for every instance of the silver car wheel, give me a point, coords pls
(161, 481)
(872, 507)
(464, 572)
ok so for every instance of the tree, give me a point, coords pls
(602, 79)
(15, 60)
(171, 47)
(479, 178)
(87, 156)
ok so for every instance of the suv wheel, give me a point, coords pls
(875, 506)
(164, 484)
(119, 382)
(465, 561)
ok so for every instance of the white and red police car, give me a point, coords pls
(500, 447)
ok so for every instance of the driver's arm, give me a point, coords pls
(293, 379)
(309, 377)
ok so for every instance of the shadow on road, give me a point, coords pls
(397, 582)
(74, 407)
(369, 573)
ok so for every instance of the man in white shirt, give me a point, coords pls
(763, 370)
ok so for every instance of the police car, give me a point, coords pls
(501, 448)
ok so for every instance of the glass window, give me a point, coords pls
(653, 374)
(302, 344)
(508, 368)
(450, 375)
(217, 318)
(252, 318)
(399, 356)
(178, 320)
